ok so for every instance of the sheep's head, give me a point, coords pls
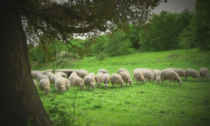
(199, 78)
(81, 87)
(106, 85)
(180, 82)
(46, 90)
(143, 81)
(130, 81)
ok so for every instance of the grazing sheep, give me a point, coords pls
(40, 76)
(71, 77)
(193, 73)
(44, 85)
(49, 74)
(138, 75)
(116, 79)
(102, 71)
(122, 69)
(67, 83)
(60, 84)
(93, 75)
(204, 73)
(156, 74)
(171, 75)
(69, 73)
(35, 72)
(53, 78)
(78, 81)
(62, 70)
(35, 83)
(106, 79)
(89, 81)
(82, 73)
(148, 74)
(61, 74)
(49, 70)
(126, 77)
(158, 79)
(180, 72)
(99, 78)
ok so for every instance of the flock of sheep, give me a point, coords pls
(64, 78)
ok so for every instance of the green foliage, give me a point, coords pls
(117, 44)
(201, 25)
(162, 32)
(101, 56)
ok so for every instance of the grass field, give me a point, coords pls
(146, 104)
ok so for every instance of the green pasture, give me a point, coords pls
(146, 104)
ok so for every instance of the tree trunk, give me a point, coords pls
(20, 104)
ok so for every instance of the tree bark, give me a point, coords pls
(20, 104)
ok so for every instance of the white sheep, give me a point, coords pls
(156, 74)
(122, 69)
(106, 79)
(60, 84)
(180, 72)
(126, 77)
(35, 72)
(49, 74)
(44, 85)
(40, 76)
(62, 70)
(193, 73)
(99, 78)
(67, 83)
(71, 77)
(138, 75)
(116, 79)
(61, 74)
(81, 73)
(35, 83)
(102, 71)
(171, 75)
(53, 78)
(89, 81)
(93, 75)
(148, 74)
(204, 73)
(78, 81)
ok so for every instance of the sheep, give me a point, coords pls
(49, 70)
(204, 72)
(106, 79)
(126, 77)
(102, 71)
(62, 70)
(34, 73)
(148, 74)
(44, 85)
(93, 75)
(99, 78)
(40, 76)
(116, 79)
(156, 74)
(138, 75)
(49, 74)
(180, 72)
(35, 83)
(69, 72)
(60, 84)
(82, 73)
(122, 69)
(61, 74)
(171, 75)
(193, 73)
(78, 81)
(71, 77)
(67, 83)
(89, 81)
(53, 78)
